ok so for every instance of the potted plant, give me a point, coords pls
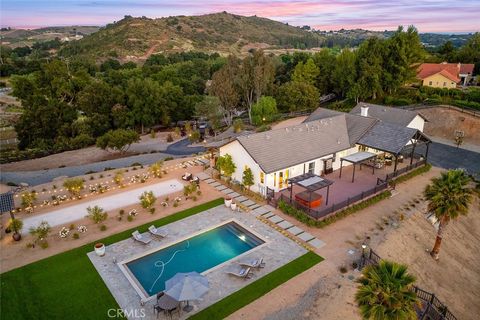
(100, 249)
(16, 226)
(234, 206)
(228, 202)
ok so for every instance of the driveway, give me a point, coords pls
(449, 157)
(181, 148)
(119, 200)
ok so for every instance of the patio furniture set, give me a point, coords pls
(244, 269)
(155, 232)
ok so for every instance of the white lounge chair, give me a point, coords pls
(242, 272)
(157, 232)
(253, 263)
(187, 176)
(137, 236)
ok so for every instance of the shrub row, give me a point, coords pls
(411, 174)
(303, 217)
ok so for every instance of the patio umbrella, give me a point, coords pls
(186, 286)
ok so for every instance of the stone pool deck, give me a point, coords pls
(277, 251)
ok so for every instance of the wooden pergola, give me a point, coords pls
(357, 158)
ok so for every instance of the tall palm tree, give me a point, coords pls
(448, 196)
(385, 292)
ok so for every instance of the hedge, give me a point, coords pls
(411, 174)
(303, 217)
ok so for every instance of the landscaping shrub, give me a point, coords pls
(97, 214)
(76, 236)
(303, 217)
(411, 174)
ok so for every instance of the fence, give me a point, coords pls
(405, 169)
(432, 308)
(322, 213)
(470, 111)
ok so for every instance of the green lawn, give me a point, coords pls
(256, 289)
(67, 286)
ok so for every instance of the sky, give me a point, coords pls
(454, 16)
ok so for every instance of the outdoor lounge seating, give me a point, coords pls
(253, 263)
(241, 272)
(157, 232)
(137, 236)
(196, 180)
(187, 176)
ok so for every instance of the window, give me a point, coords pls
(430, 83)
(262, 177)
(311, 167)
(444, 84)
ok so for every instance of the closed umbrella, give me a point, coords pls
(186, 286)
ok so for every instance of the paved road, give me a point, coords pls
(449, 157)
(177, 149)
(68, 214)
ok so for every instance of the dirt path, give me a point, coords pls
(324, 293)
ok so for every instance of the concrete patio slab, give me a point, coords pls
(255, 206)
(295, 230)
(316, 243)
(275, 219)
(203, 176)
(220, 187)
(241, 199)
(228, 191)
(209, 181)
(306, 236)
(268, 214)
(269, 207)
(285, 224)
(215, 184)
(260, 211)
(248, 203)
(234, 195)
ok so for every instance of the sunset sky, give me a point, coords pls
(426, 15)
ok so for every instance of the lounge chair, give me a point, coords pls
(157, 232)
(187, 176)
(196, 180)
(138, 237)
(242, 272)
(253, 263)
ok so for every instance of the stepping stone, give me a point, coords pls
(295, 230)
(268, 215)
(306, 236)
(260, 211)
(285, 224)
(209, 180)
(220, 187)
(203, 176)
(234, 195)
(275, 219)
(255, 206)
(269, 207)
(316, 243)
(241, 199)
(215, 184)
(248, 203)
(228, 191)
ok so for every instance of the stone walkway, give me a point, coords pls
(265, 211)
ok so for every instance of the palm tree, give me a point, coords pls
(385, 292)
(448, 197)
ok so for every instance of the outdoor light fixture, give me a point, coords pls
(242, 237)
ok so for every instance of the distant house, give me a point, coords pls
(320, 144)
(445, 75)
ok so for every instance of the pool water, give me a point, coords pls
(199, 253)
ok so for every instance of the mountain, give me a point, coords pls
(219, 32)
(22, 37)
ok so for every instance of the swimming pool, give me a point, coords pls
(198, 253)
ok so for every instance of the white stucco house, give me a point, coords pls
(317, 145)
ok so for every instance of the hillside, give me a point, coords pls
(21, 37)
(137, 38)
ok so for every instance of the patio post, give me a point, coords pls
(426, 153)
(341, 165)
(353, 175)
(310, 202)
(291, 191)
(328, 192)
(413, 152)
(396, 162)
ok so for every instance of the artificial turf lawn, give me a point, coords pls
(67, 285)
(256, 289)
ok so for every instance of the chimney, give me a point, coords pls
(364, 110)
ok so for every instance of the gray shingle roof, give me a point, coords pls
(356, 125)
(282, 148)
(388, 137)
(387, 114)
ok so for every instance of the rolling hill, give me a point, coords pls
(137, 38)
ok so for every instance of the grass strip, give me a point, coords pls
(255, 290)
(67, 285)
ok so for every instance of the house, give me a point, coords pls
(318, 146)
(445, 75)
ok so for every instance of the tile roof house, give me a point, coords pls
(317, 145)
(445, 75)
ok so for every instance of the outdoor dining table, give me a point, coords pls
(167, 303)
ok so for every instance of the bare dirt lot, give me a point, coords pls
(442, 123)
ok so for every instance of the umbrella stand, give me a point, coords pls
(188, 307)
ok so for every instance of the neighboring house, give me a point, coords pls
(315, 146)
(445, 75)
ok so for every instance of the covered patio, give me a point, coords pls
(310, 183)
(357, 158)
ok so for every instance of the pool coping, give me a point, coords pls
(144, 296)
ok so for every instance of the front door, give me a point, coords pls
(280, 180)
(328, 166)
